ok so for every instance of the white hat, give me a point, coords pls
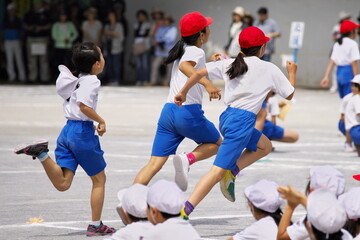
(343, 15)
(264, 195)
(356, 79)
(239, 11)
(166, 196)
(325, 212)
(351, 202)
(11, 6)
(133, 200)
(327, 177)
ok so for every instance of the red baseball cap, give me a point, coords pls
(357, 177)
(348, 26)
(192, 23)
(252, 37)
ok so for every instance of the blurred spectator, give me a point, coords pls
(232, 48)
(165, 38)
(37, 25)
(63, 33)
(12, 31)
(112, 48)
(119, 9)
(75, 18)
(91, 27)
(248, 20)
(271, 30)
(158, 20)
(141, 47)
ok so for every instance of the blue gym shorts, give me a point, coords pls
(176, 123)
(344, 74)
(272, 131)
(237, 127)
(355, 134)
(78, 145)
(341, 127)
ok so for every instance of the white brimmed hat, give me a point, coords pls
(356, 79)
(327, 177)
(325, 212)
(351, 202)
(264, 195)
(344, 15)
(166, 197)
(133, 200)
(239, 11)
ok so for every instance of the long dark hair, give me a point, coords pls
(84, 55)
(239, 66)
(340, 40)
(323, 236)
(178, 50)
(352, 226)
(276, 215)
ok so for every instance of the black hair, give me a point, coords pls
(356, 85)
(143, 12)
(136, 219)
(276, 215)
(323, 236)
(178, 50)
(84, 55)
(352, 226)
(340, 39)
(262, 10)
(239, 66)
(307, 189)
(168, 215)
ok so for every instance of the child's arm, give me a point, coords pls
(291, 68)
(325, 81)
(355, 67)
(89, 112)
(273, 119)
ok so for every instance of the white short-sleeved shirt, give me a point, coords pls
(297, 231)
(178, 79)
(133, 231)
(94, 31)
(346, 235)
(344, 102)
(248, 91)
(345, 53)
(357, 237)
(351, 112)
(264, 229)
(86, 93)
(272, 107)
(174, 229)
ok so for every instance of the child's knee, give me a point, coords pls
(63, 186)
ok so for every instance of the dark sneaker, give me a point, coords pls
(33, 150)
(102, 230)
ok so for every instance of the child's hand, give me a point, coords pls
(215, 57)
(179, 99)
(101, 128)
(214, 92)
(293, 196)
(325, 82)
(291, 67)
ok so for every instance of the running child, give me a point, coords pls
(177, 123)
(248, 80)
(77, 143)
(345, 55)
(341, 125)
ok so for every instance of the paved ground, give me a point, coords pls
(29, 113)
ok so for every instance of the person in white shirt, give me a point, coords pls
(232, 48)
(341, 125)
(165, 201)
(77, 143)
(176, 123)
(264, 202)
(352, 114)
(345, 56)
(351, 201)
(248, 80)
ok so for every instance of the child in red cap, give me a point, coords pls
(189, 121)
(248, 80)
(345, 55)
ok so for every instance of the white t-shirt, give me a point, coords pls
(297, 231)
(132, 231)
(174, 229)
(178, 79)
(357, 237)
(272, 107)
(351, 112)
(86, 93)
(94, 31)
(248, 91)
(344, 102)
(345, 53)
(346, 235)
(264, 229)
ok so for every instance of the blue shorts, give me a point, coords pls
(344, 74)
(176, 123)
(355, 134)
(341, 127)
(272, 131)
(78, 145)
(237, 127)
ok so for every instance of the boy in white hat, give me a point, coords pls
(264, 202)
(165, 201)
(132, 211)
(351, 202)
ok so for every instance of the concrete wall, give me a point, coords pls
(319, 16)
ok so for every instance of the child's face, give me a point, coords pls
(102, 60)
(354, 88)
(206, 35)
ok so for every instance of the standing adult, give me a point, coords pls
(232, 48)
(271, 30)
(12, 30)
(38, 25)
(91, 27)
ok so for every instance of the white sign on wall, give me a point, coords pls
(296, 34)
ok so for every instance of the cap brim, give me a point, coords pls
(357, 177)
(209, 21)
(267, 39)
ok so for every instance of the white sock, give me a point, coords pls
(96, 223)
(43, 156)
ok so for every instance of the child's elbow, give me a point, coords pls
(290, 96)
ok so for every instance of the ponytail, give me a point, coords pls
(239, 66)
(340, 39)
(178, 50)
(276, 216)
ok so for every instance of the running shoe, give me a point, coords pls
(34, 149)
(357, 177)
(181, 165)
(227, 186)
(101, 230)
(183, 215)
(348, 147)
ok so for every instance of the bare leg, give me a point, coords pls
(206, 150)
(149, 171)
(348, 137)
(289, 136)
(97, 195)
(357, 149)
(61, 178)
(260, 119)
